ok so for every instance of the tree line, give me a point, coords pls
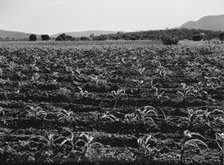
(171, 36)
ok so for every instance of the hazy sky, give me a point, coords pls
(53, 16)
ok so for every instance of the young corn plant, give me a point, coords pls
(211, 82)
(167, 119)
(145, 146)
(191, 120)
(35, 112)
(185, 92)
(35, 77)
(142, 116)
(97, 80)
(68, 140)
(2, 115)
(2, 112)
(191, 139)
(146, 114)
(162, 72)
(109, 117)
(220, 142)
(160, 95)
(117, 95)
(85, 143)
(84, 93)
(153, 85)
(78, 70)
(1, 151)
(208, 116)
(65, 115)
(69, 70)
(140, 70)
(12, 66)
(135, 83)
(131, 118)
(47, 140)
(199, 90)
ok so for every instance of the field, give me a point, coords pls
(116, 101)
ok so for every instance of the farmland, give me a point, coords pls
(114, 101)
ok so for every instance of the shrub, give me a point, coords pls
(197, 38)
(33, 37)
(221, 36)
(100, 38)
(83, 38)
(45, 37)
(64, 37)
(167, 40)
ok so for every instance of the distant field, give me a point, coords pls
(81, 43)
(139, 43)
(111, 102)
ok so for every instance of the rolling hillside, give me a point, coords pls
(13, 35)
(213, 22)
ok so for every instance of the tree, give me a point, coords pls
(197, 37)
(100, 38)
(91, 36)
(64, 37)
(168, 40)
(33, 37)
(45, 37)
(221, 36)
(83, 38)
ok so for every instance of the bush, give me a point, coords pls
(45, 37)
(221, 36)
(33, 37)
(100, 38)
(63, 37)
(197, 38)
(169, 40)
(84, 38)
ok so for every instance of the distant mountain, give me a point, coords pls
(20, 35)
(84, 33)
(212, 22)
(13, 35)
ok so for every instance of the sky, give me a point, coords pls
(55, 16)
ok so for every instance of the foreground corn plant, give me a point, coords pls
(65, 115)
(160, 95)
(117, 95)
(191, 120)
(185, 92)
(35, 112)
(109, 117)
(145, 146)
(47, 140)
(220, 142)
(211, 82)
(85, 143)
(84, 93)
(191, 139)
(167, 118)
(208, 116)
(66, 140)
(135, 83)
(139, 69)
(162, 72)
(144, 116)
(98, 80)
(1, 151)
(200, 91)
(2, 112)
